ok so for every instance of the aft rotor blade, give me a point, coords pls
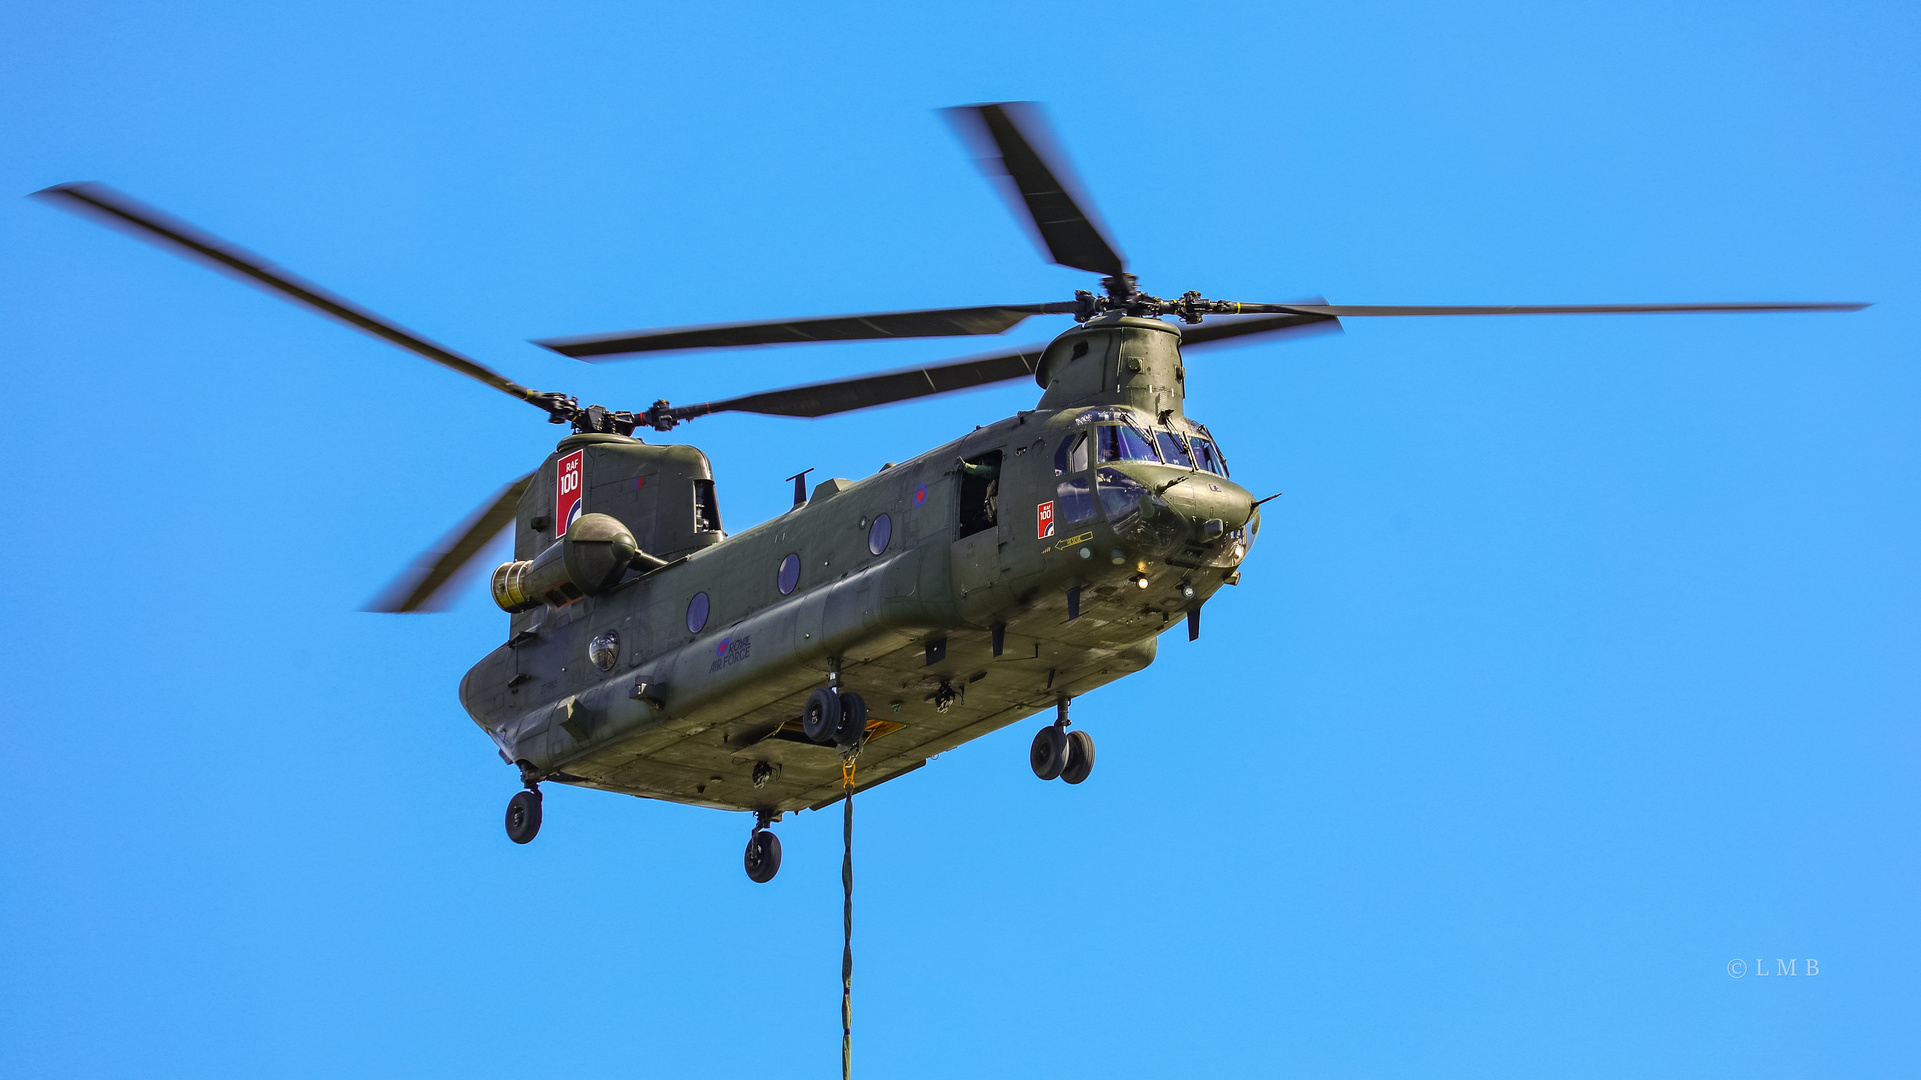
(163, 230)
(867, 391)
(1345, 311)
(424, 587)
(1013, 138)
(941, 322)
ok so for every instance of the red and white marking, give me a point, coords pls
(567, 475)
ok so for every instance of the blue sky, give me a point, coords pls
(1577, 661)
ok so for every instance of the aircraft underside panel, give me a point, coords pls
(713, 764)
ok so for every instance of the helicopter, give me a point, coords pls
(879, 621)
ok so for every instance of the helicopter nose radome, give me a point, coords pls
(1211, 506)
(1193, 519)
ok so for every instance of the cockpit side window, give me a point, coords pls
(1172, 450)
(1123, 443)
(1072, 455)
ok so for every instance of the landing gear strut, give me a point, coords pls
(763, 848)
(1060, 753)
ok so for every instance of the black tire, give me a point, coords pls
(523, 816)
(1080, 757)
(1048, 755)
(853, 720)
(763, 856)
(821, 716)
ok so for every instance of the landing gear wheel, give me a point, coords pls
(1080, 757)
(763, 856)
(853, 720)
(523, 816)
(1048, 755)
(821, 716)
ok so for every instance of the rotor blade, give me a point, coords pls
(424, 587)
(1013, 138)
(943, 322)
(162, 230)
(1347, 310)
(1217, 330)
(867, 391)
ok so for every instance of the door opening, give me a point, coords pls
(980, 485)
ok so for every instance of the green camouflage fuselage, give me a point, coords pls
(993, 537)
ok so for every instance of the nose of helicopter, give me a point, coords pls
(1201, 512)
(1209, 509)
(1202, 499)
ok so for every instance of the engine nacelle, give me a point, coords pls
(588, 561)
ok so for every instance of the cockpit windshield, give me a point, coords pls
(1208, 457)
(1124, 443)
(1172, 451)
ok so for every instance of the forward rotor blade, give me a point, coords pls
(1352, 311)
(1293, 320)
(867, 391)
(162, 230)
(1013, 138)
(942, 322)
(1229, 329)
(424, 587)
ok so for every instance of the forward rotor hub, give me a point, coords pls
(1123, 296)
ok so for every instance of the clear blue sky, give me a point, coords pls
(1578, 660)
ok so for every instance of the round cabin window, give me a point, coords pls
(789, 574)
(879, 533)
(697, 613)
(604, 650)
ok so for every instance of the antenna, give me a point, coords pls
(800, 487)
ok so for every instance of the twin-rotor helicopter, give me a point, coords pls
(885, 619)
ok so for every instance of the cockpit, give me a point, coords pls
(1080, 451)
(1126, 442)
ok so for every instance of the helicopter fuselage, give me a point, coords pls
(983, 581)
